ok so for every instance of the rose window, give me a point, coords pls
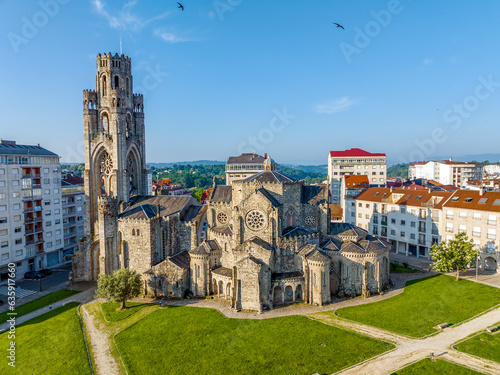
(255, 220)
(106, 165)
(310, 221)
(222, 218)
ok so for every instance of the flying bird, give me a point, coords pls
(180, 6)
(338, 25)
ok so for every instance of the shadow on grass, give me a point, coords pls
(48, 315)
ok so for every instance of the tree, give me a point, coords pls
(121, 286)
(456, 254)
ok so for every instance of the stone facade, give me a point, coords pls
(262, 242)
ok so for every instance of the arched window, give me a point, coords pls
(129, 125)
(104, 85)
(117, 82)
(128, 87)
(137, 232)
(104, 123)
(133, 232)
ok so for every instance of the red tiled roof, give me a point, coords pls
(356, 182)
(403, 196)
(471, 199)
(352, 153)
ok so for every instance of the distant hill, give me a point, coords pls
(321, 169)
(196, 162)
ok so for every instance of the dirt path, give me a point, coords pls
(100, 345)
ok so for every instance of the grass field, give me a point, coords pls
(397, 268)
(484, 345)
(51, 344)
(440, 367)
(40, 302)
(112, 315)
(187, 340)
(425, 303)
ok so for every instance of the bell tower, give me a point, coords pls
(114, 134)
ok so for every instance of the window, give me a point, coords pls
(463, 214)
(375, 219)
(56, 191)
(19, 241)
(57, 212)
(46, 191)
(2, 183)
(15, 182)
(19, 253)
(412, 236)
(17, 206)
(56, 180)
(462, 228)
(367, 205)
(79, 198)
(45, 170)
(393, 232)
(48, 234)
(3, 220)
(48, 213)
(58, 221)
(79, 209)
(4, 244)
(48, 223)
(403, 222)
(403, 234)
(353, 204)
(367, 216)
(476, 232)
(58, 232)
(375, 230)
(413, 224)
(3, 195)
(58, 242)
(47, 203)
(449, 214)
(4, 232)
(2, 171)
(360, 216)
(477, 215)
(46, 181)
(402, 210)
(17, 230)
(17, 218)
(360, 205)
(353, 214)
(492, 234)
(393, 221)
(492, 219)
(49, 244)
(15, 171)
(56, 201)
(3, 208)
(16, 194)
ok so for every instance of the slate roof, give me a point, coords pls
(144, 207)
(295, 232)
(287, 275)
(269, 197)
(227, 230)
(306, 249)
(352, 247)
(332, 245)
(72, 179)
(246, 158)
(260, 242)
(222, 193)
(346, 229)
(317, 256)
(9, 149)
(223, 271)
(181, 259)
(269, 176)
(206, 247)
(314, 194)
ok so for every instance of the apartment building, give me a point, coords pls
(413, 220)
(408, 219)
(355, 161)
(492, 169)
(31, 228)
(351, 186)
(73, 198)
(447, 172)
(246, 165)
(477, 213)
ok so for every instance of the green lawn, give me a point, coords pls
(484, 345)
(440, 367)
(188, 340)
(39, 303)
(111, 315)
(51, 344)
(424, 304)
(397, 268)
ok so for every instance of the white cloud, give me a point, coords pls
(125, 19)
(170, 37)
(427, 62)
(335, 105)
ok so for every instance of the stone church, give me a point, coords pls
(262, 242)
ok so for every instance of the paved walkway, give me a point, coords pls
(410, 350)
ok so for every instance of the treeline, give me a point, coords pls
(398, 170)
(191, 176)
(73, 168)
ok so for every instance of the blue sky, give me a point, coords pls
(412, 79)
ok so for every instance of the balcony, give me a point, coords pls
(32, 209)
(31, 175)
(383, 222)
(33, 219)
(421, 241)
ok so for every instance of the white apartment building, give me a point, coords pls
(246, 165)
(492, 169)
(73, 198)
(413, 220)
(355, 161)
(447, 172)
(31, 228)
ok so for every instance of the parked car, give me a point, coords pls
(46, 271)
(33, 275)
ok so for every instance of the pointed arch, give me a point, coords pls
(104, 85)
(104, 123)
(133, 170)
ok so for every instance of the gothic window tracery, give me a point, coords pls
(132, 174)
(255, 220)
(105, 169)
